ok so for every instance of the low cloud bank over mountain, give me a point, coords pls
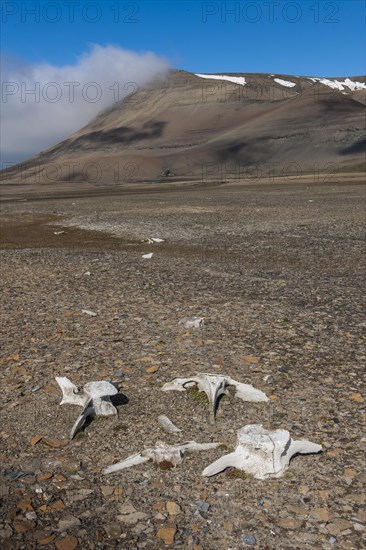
(42, 103)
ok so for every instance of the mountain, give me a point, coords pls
(212, 129)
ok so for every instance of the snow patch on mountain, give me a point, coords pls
(236, 79)
(339, 85)
(286, 83)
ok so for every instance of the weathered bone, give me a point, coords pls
(193, 322)
(168, 425)
(95, 399)
(160, 453)
(215, 385)
(262, 453)
(152, 240)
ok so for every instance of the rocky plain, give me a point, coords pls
(276, 271)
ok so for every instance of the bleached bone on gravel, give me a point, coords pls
(153, 240)
(215, 385)
(193, 322)
(95, 399)
(147, 256)
(168, 425)
(88, 312)
(161, 453)
(262, 453)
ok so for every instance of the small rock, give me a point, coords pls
(173, 508)
(107, 490)
(26, 504)
(321, 514)
(250, 540)
(250, 359)
(152, 369)
(113, 530)
(79, 495)
(127, 508)
(118, 492)
(57, 505)
(203, 506)
(44, 477)
(24, 526)
(357, 397)
(68, 522)
(46, 540)
(42, 534)
(131, 518)
(68, 543)
(55, 443)
(289, 523)
(6, 532)
(167, 534)
(338, 526)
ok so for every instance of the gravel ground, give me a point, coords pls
(276, 272)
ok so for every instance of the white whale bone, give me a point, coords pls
(95, 399)
(215, 385)
(168, 425)
(81, 419)
(160, 453)
(89, 312)
(70, 393)
(193, 322)
(262, 453)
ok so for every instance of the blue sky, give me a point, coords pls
(305, 37)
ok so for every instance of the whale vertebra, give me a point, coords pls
(262, 453)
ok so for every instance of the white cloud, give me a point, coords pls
(42, 104)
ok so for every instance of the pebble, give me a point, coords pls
(107, 490)
(113, 530)
(321, 514)
(173, 508)
(167, 534)
(128, 514)
(68, 522)
(203, 506)
(289, 523)
(67, 543)
(24, 526)
(249, 539)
